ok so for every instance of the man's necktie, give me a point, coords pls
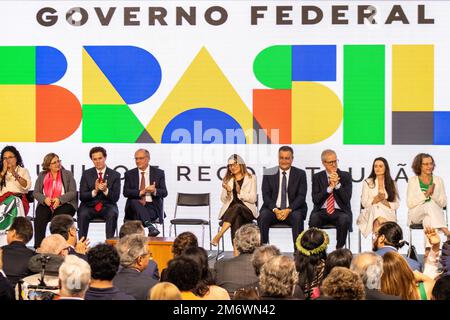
(142, 187)
(99, 205)
(283, 191)
(330, 203)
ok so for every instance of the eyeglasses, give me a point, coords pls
(233, 164)
(55, 162)
(332, 162)
(7, 158)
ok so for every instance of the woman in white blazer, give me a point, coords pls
(238, 198)
(379, 198)
(426, 196)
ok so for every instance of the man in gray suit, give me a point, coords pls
(134, 258)
(232, 274)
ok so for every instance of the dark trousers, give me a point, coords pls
(109, 212)
(143, 213)
(43, 216)
(237, 215)
(339, 219)
(268, 218)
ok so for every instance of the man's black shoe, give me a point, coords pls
(152, 230)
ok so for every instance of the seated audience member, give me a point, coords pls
(399, 280)
(388, 238)
(369, 266)
(379, 198)
(135, 227)
(145, 190)
(278, 278)
(338, 258)
(249, 293)
(50, 254)
(260, 256)
(164, 291)
(16, 254)
(206, 287)
(64, 225)
(15, 182)
(6, 290)
(184, 273)
(238, 198)
(441, 289)
(104, 262)
(343, 284)
(99, 193)
(134, 257)
(74, 278)
(246, 240)
(310, 260)
(55, 191)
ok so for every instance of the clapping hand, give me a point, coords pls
(102, 186)
(432, 235)
(226, 187)
(82, 246)
(151, 188)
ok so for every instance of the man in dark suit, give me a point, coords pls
(134, 258)
(284, 194)
(6, 289)
(99, 193)
(232, 274)
(16, 254)
(145, 189)
(331, 194)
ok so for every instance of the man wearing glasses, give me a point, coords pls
(331, 194)
(145, 188)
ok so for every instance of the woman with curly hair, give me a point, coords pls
(278, 278)
(343, 284)
(310, 258)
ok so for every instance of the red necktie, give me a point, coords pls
(142, 187)
(99, 205)
(330, 204)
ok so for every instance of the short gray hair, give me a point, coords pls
(278, 277)
(74, 276)
(369, 266)
(147, 153)
(325, 153)
(263, 254)
(247, 238)
(130, 248)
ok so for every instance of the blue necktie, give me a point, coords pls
(283, 191)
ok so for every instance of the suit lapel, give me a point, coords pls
(277, 182)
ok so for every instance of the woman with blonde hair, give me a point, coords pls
(164, 291)
(238, 198)
(398, 279)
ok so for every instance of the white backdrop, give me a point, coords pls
(233, 45)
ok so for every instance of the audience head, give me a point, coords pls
(445, 257)
(247, 238)
(104, 261)
(74, 277)
(200, 256)
(131, 227)
(369, 266)
(398, 278)
(343, 284)
(133, 251)
(310, 255)
(285, 157)
(183, 241)
(380, 167)
(64, 225)
(54, 244)
(441, 289)
(184, 273)
(278, 277)
(263, 254)
(338, 258)
(389, 234)
(423, 163)
(246, 294)
(21, 230)
(164, 291)
(51, 163)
